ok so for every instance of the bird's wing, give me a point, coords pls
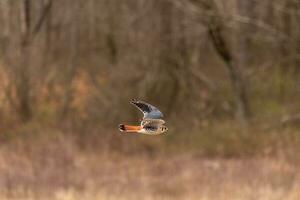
(152, 122)
(149, 111)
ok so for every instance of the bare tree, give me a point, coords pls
(215, 24)
(71, 63)
(29, 27)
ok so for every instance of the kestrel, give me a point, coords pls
(152, 122)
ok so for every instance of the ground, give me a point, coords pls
(58, 167)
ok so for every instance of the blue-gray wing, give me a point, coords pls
(149, 111)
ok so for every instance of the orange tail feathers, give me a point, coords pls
(129, 129)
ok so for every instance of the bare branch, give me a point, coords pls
(260, 24)
(42, 18)
(204, 79)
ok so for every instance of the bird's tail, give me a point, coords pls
(129, 129)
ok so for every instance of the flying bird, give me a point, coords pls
(152, 122)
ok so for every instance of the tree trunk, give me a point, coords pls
(242, 59)
(71, 68)
(22, 71)
(238, 83)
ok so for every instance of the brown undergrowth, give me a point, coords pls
(40, 163)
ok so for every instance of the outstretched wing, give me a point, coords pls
(150, 112)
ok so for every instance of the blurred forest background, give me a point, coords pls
(225, 73)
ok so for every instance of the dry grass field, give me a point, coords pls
(58, 166)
